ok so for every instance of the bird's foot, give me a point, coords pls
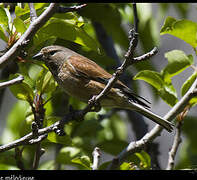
(96, 107)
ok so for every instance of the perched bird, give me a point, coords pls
(82, 78)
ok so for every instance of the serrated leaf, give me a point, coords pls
(183, 29)
(66, 155)
(151, 77)
(19, 25)
(22, 91)
(83, 160)
(178, 61)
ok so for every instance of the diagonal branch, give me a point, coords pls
(155, 132)
(28, 35)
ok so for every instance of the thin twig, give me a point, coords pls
(33, 14)
(62, 9)
(173, 151)
(136, 20)
(96, 158)
(146, 56)
(17, 80)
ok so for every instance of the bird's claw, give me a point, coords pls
(96, 105)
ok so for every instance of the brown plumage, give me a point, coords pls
(82, 78)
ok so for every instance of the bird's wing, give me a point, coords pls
(88, 69)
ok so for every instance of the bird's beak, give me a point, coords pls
(38, 56)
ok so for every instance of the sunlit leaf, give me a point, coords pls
(4, 17)
(65, 30)
(151, 77)
(19, 25)
(183, 29)
(83, 161)
(2, 34)
(145, 159)
(178, 61)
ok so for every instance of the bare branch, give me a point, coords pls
(33, 14)
(30, 32)
(96, 158)
(17, 80)
(146, 56)
(173, 151)
(155, 132)
(62, 9)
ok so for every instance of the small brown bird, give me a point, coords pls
(82, 78)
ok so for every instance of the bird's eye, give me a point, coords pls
(52, 53)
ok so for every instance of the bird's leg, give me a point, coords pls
(96, 107)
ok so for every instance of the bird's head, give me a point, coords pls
(53, 56)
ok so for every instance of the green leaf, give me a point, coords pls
(145, 159)
(187, 84)
(22, 91)
(14, 121)
(8, 167)
(83, 161)
(23, 69)
(183, 29)
(151, 77)
(88, 128)
(113, 146)
(19, 25)
(178, 61)
(45, 82)
(65, 30)
(2, 35)
(109, 16)
(4, 17)
(48, 165)
(168, 94)
(165, 90)
(19, 11)
(67, 154)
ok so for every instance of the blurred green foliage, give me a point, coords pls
(75, 30)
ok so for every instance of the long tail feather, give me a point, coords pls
(159, 120)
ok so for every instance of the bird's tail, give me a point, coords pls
(157, 119)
